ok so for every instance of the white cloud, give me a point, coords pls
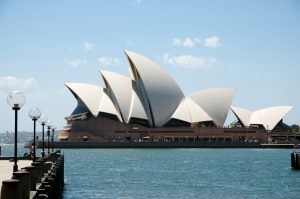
(14, 83)
(88, 46)
(176, 42)
(212, 42)
(108, 61)
(189, 61)
(187, 42)
(75, 63)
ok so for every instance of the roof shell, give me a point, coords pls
(136, 108)
(121, 87)
(215, 102)
(162, 93)
(89, 94)
(107, 106)
(93, 98)
(268, 117)
(190, 112)
(243, 115)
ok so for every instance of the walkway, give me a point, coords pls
(6, 168)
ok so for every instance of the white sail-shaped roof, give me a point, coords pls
(151, 94)
(197, 113)
(136, 108)
(121, 89)
(160, 94)
(268, 117)
(255, 119)
(107, 106)
(89, 94)
(93, 98)
(215, 102)
(190, 112)
(242, 114)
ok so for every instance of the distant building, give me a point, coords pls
(150, 105)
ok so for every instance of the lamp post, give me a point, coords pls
(48, 135)
(43, 119)
(16, 99)
(34, 114)
(52, 136)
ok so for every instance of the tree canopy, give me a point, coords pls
(295, 127)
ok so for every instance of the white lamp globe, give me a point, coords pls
(49, 124)
(43, 119)
(34, 113)
(16, 99)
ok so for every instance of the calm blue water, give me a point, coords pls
(8, 150)
(179, 173)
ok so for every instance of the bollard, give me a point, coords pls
(10, 189)
(39, 171)
(25, 183)
(52, 184)
(48, 171)
(59, 176)
(49, 190)
(48, 166)
(33, 176)
(295, 160)
(55, 185)
(47, 187)
(40, 191)
(42, 196)
(42, 161)
(292, 160)
(62, 182)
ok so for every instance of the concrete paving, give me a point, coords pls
(6, 168)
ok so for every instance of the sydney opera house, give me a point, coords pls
(150, 106)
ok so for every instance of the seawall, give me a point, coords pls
(43, 179)
(129, 144)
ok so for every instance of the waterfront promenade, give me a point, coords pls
(43, 178)
(6, 169)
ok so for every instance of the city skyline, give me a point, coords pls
(249, 46)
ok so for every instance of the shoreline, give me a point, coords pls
(90, 144)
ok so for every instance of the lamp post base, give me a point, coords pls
(15, 168)
(43, 153)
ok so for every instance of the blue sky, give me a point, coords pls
(252, 46)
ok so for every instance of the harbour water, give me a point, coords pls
(180, 173)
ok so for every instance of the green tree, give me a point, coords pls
(295, 127)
